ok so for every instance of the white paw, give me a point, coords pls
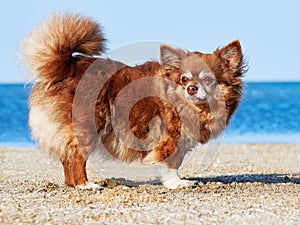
(89, 185)
(172, 184)
(185, 183)
(171, 180)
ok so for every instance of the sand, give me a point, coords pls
(237, 184)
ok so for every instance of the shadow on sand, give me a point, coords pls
(226, 179)
(259, 178)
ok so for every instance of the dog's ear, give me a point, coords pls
(170, 56)
(232, 55)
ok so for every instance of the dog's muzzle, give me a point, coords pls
(196, 93)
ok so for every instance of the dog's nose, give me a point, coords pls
(192, 89)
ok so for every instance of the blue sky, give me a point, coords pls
(269, 31)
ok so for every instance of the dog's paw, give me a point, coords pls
(88, 186)
(171, 180)
(185, 183)
(177, 183)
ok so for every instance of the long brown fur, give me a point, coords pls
(48, 53)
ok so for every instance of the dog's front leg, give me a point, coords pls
(169, 172)
(171, 180)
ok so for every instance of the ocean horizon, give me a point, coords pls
(268, 113)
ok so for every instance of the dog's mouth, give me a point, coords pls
(195, 99)
(195, 94)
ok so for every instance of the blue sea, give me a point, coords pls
(268, 113)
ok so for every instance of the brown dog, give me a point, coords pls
(171, 106)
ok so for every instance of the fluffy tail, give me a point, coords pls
(48, 49)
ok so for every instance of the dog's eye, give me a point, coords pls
(208, 80)
(184, 79)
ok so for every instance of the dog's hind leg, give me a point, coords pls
(75, 169)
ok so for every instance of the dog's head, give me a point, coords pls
(197, 90)
(206, 76)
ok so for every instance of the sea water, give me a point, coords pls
(268, 113)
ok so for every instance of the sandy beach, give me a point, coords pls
(240, 184)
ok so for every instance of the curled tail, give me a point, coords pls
(48, 49)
